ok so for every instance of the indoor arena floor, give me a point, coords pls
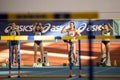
(55, 70)
(57, 55)
(57, 52)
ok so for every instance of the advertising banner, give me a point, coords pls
(54, 27)
(116, 27)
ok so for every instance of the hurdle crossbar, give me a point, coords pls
(55, 37)
(97, 37)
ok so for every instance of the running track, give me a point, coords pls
(57, 52)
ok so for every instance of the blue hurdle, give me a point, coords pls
(36, 76)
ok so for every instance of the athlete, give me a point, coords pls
(71, 32)
(13, 31)
(105, 44)
(37, 28)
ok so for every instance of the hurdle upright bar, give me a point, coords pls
(10, 58)
(70, 58)
(90, 53)
(79, 57)
(19, 59)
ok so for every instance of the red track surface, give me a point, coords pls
(61, 48)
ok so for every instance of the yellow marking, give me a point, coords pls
(7, 37)
(115, 63)
(67, 37)
(81, 37)
(84, 15)
(104, 37)
(50, 16)
(11, 16)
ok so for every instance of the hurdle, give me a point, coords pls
(10, 60)
(35, 38)
(82, 75)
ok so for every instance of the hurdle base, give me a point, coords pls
(99, 76)
(12, 76)
(4, 76)
(47, 76)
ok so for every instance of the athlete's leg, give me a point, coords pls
(74, 52)
(16, 53)
(103, 51)
(108, 62)
(35, 52)
(13, 54)
(41, 52)
(68, 49)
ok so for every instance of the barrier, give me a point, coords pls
(49, 38)
(90, 37)
(12, 38)
(91, 76)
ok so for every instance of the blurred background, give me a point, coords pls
(105, 9)
(58, 9)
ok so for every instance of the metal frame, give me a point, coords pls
(36, 76)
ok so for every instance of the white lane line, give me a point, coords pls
(103, 70)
